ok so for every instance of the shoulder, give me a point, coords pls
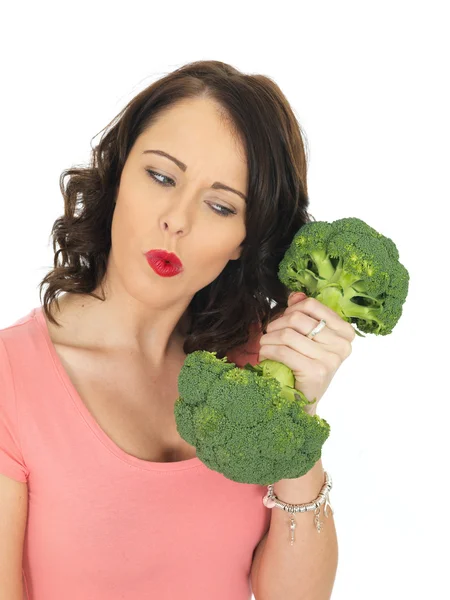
(247, 353)
(20, 346)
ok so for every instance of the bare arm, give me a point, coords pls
(306, 570)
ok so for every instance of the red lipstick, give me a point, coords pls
(166, 264)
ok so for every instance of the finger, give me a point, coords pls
(295, 341)
(303, 324)
(289, 357)
(316, 310)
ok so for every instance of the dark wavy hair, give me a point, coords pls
(247, 292)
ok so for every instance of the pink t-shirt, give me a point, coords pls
(103, 524)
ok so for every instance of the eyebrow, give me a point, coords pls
(217, 185)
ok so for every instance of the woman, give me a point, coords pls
(106, 499)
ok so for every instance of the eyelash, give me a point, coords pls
(219, 212)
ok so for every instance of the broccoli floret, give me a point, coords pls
(350, 267)
(249, 423)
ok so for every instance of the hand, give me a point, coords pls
(314, 362)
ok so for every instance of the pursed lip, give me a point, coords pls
(161, 254)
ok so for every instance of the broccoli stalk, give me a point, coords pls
(338, 291)
(274, 369)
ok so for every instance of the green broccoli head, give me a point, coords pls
(351, 268)
(249, 423)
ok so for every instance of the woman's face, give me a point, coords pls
(177, 209)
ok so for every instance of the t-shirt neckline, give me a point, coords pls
(38, 314)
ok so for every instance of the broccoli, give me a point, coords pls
(251, 424)
(350, 267)
(247, 424)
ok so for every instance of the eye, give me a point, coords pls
(153, 175)
(223, 212)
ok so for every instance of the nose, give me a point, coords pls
(166, 228)
(175, 221)
(177, 217)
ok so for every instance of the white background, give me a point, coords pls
(369, 85)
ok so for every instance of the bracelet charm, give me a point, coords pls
(292, 527)
(317, 522)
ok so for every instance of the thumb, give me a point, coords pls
(295, 297)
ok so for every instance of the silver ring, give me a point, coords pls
(317, 329)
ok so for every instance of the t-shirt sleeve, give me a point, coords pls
(12, 463)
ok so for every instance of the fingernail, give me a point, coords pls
(297, 295)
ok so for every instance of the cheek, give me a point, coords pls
(135, 217)
(126, 219)
(215, 247)
(128, 237)
(208, 260)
